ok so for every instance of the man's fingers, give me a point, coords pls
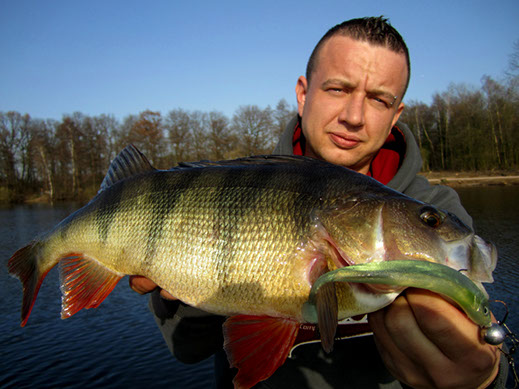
(166, 295)
(142, 285)
(425, 341)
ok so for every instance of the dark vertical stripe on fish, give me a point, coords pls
(165, 190)
(235, 188)
(108, 206)
(252, 188)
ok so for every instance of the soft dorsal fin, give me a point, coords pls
(128, 163)
(254, 160)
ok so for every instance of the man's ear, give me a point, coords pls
(397, 114)
(301, 90)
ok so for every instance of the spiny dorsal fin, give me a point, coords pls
(128, 163)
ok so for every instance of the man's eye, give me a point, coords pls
(380, 101)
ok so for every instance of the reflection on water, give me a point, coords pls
(118, 344)
(496, 219)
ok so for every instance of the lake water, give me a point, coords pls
(118, 344)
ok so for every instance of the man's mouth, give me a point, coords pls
(344, 142)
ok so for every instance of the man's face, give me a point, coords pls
(352, 102)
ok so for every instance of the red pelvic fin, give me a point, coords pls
(85, 283)
(23, 264)
(257, 346)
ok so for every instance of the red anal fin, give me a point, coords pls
(85, 283)
(257, 346)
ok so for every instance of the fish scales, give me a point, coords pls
(183, 225)
(224, 238)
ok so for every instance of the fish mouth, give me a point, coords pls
(339, 259)
(471, 255)
(474, 256)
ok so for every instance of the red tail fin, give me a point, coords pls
(84, 282)
(24, 266)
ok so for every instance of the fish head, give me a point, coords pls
(375, 228)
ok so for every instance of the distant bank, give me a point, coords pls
(472, 178)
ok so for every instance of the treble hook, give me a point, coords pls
(497, 334)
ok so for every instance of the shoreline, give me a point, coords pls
(471, 178)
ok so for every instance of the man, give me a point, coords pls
(348, 105)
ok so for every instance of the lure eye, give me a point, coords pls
(431, 217)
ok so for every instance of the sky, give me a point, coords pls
(124, 57)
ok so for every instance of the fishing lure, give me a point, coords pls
(420, 274)
(432, 276)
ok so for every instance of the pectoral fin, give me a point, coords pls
(327, 309)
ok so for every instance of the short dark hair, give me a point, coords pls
(375, 30)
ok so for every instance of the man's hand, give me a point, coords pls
(426, 342)
(143, 285)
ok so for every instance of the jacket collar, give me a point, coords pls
(386, 163)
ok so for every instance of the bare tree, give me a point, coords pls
(147, 133)
(220, 141)
(177, 125)
(198, 130)
(14, 137)
(419, 117)
(44, 155)
(513, 61)
(253, 127)
(281, 116)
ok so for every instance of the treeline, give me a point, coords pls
(68, 159)
(468, 129)
(462, 129)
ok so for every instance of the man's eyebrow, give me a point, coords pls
(382, 92)
(374, 92)
(337, 81)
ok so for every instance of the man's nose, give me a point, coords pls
(352, 112)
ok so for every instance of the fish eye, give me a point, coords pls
(431, 216)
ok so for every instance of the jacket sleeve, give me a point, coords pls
(192, 335)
